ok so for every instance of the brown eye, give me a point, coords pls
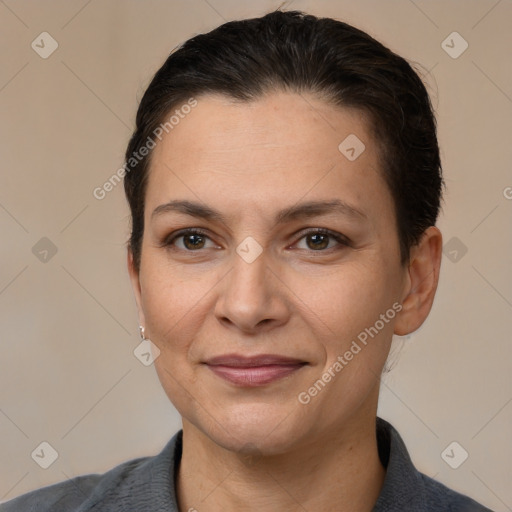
(321, 240)
(190, 240)
(193, 241)
(317, 241)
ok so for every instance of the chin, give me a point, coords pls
(257, 429)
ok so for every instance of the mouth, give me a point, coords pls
(254, 371)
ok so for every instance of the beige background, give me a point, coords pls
(68, 326)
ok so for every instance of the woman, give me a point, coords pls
(284, 182)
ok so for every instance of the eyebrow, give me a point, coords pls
(295, 212)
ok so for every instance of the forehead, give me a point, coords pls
(274, 150)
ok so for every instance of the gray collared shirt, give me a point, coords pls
(148, 485)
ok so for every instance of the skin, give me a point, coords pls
(260, 448)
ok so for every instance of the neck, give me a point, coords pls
(340, 467)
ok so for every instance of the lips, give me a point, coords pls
(254, 371)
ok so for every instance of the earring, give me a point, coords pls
(141, 331)
(150, 351)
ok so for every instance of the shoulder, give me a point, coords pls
(62, 496)
(124, 487)
(405, 488)
(69, 495)
(437, 496)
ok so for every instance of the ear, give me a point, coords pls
(135, 280)
(421, 283)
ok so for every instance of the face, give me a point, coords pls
(295, 256)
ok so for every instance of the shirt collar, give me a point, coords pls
(403, 484)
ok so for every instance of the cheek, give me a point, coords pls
(347, 299)
(173, 308)
(173, 302)
(349, 308)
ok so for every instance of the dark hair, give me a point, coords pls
(297, 52)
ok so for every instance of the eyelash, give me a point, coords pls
(342, 241)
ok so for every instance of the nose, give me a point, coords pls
(252, 298)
